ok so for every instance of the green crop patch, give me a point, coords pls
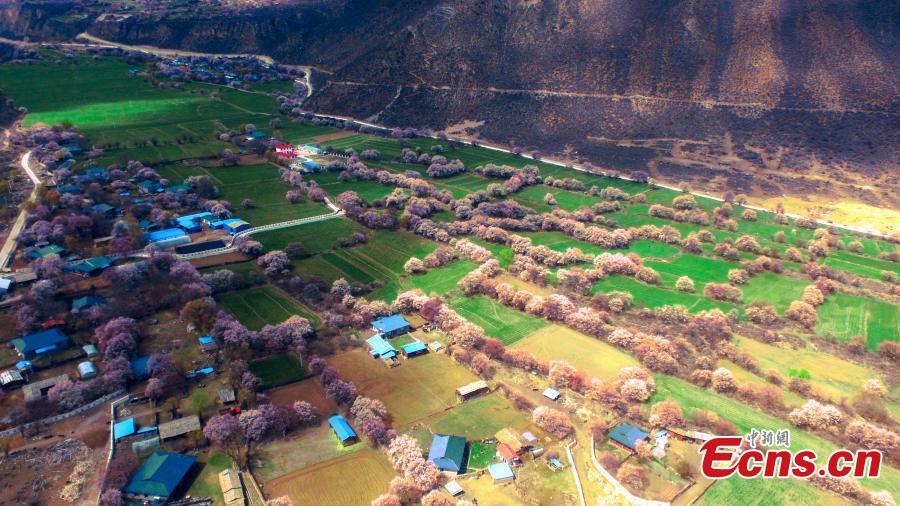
(779, 290)
(266, 305)
(654, 296)
(277, 370)
(497, 320)
(844, 316)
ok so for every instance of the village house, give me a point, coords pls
(414, 348)
(158, 478)
(41, 343)
(380, 348)
(391, 326)
(11, 379)
(627, 436)
(501, 471)
(447, 453)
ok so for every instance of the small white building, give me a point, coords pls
(454, 488)
(87, 370)
(551, 394)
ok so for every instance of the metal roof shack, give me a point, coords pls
(414, 348)
(87, 370)
(36, 390)
(454, 488)
(380, 348)
(447, 452)
(179, 427)
(551, 394)
(472, 389)
(342, 429)
(226, 396)
(11, 378)
(501, 471)
(124, 428)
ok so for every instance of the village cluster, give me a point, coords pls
(229, 300)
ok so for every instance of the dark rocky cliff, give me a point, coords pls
(803, 95)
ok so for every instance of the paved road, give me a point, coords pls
(12, 240)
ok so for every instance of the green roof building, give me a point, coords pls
(159, 477)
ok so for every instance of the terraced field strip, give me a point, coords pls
(497, 320)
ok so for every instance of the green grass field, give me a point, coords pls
(593, 356)
(417, 389)
(206, 484)
(700, 269)
(744, 417)
(262, 184)
(479, 418)
(773, 288)
(442, 279)
(259, 306)
(844, 316)
(316, 237)
(326, 482)
(860, 265)
(278, 370)
(654, 296)
(481, 455)
(108, 106)
(369, 190)
(497, 320)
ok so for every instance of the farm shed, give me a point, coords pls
(507, 453)
(42, 342)
(179, 427)
(342, 429)
(5, 283)
(51, 249)
(472, 389)
(87, 370)
(226, 395)
(124, 428)
(235, 225)
(551, 394)
(232, 488)
(380, 348)
(38, 389)
(90, 350)
(159, 477)
(414, 348)
(454, 488)
(508, 437)
(626, 436)
(168, 237)
(193, 223)
(447, 452)
(86, 302)
(91, 266)
(391, 326)
(501, 471)
(207, 343)
(435, 346)
(11, 378)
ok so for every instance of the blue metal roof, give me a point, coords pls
(123, 428)
(168, 233)
(139, 367)
(206, 340)
(380, 347)
(390, 323)
(44, 340)
(414, 347)
(501, 471)
(341, 427)
(310, 164)
(627, 435)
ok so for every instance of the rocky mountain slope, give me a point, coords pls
(760, 96)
